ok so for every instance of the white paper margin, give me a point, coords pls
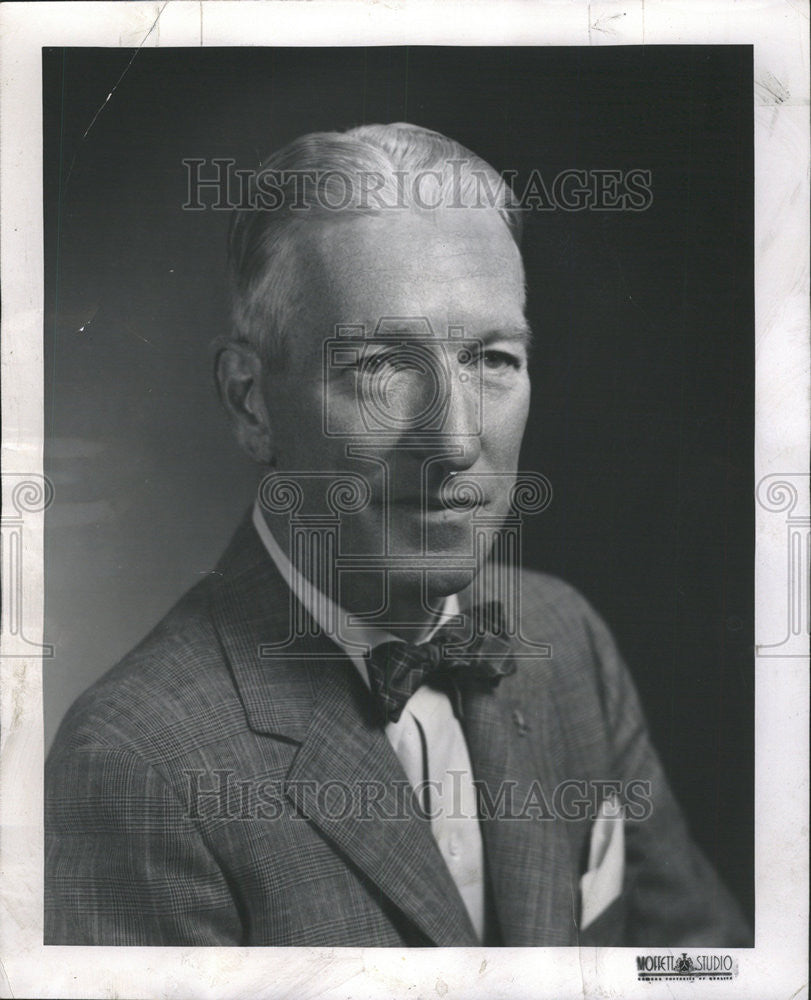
(778, 30)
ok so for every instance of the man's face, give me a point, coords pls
(440, 386)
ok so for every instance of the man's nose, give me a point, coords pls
(462, 424)
(454, 433)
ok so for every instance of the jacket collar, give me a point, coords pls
(254, 612)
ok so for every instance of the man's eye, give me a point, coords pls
(498, 360)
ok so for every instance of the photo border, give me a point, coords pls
(776, 966)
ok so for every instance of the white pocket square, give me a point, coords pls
(602, 883)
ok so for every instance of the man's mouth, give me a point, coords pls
(433, 503)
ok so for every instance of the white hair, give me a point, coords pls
(364, 171)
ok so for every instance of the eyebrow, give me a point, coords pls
(522, 333)
(518, 333)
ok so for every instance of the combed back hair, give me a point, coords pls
(329, 176)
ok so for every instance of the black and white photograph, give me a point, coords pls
(398, 511)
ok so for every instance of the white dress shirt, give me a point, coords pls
(449, 791)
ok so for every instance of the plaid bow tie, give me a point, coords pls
(398, 669)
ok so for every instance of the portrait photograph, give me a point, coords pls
(399, 512)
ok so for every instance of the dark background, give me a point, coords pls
(642, 413)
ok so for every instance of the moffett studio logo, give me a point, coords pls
(654, 968)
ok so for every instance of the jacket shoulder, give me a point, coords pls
(175, 679)
(551, 608)
(577, 660)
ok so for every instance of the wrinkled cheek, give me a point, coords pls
(505, 440)
(520, 423)
(504, 414)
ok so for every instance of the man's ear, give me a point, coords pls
(238, 370)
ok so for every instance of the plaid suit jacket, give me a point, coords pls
(201, 794)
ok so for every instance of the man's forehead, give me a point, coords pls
(358, 244)
(378, 254)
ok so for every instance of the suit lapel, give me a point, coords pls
(528, 855)
(385, 838)
(305, 693)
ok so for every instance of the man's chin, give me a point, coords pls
(439, 574)
(443, 584)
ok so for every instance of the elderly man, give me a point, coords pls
(368, 726)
